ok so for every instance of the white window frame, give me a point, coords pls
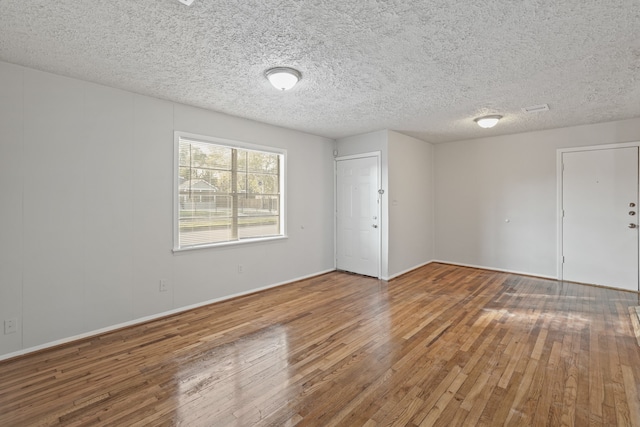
(177, 135)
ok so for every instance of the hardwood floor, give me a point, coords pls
(442, 345)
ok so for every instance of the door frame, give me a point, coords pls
(378, 156)
(559, 183)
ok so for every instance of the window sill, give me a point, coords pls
(233, 243)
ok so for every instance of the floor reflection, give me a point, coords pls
(234, 381)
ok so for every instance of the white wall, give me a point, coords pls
(11, 184)
(86, 176)
(407, 204)
(484, 182)
(411, 203)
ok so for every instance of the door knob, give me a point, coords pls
(632, 213)
(375, 225)
(633, 225)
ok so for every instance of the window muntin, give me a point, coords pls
(227, 192)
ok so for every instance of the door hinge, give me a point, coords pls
(562, 213)
(563, 259)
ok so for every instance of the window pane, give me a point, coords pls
(258, 205)
(242, 182)
(262, 162)
(202, 154)
(263, 184)
(242, 160)
(259, 216)
(260, 227)
(221, 180)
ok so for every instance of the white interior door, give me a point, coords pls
(599, 226)
(357, 216)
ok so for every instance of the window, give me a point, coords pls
(226, 192)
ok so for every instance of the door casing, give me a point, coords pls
(377, 155)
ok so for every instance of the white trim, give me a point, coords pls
(153, 317)
(393, 276)
(177, 135)
(559, 209)
(379, 166)
(600, 147)
(228, 142)
(230, 243)
(335, 212)
(502, 270)
(559, 199)
(437, 261)
(359, 156)
(176, 191)
(378, 156)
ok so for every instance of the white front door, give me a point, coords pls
(357, 216)
(600, 208)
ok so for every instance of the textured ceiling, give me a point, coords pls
(425, 68)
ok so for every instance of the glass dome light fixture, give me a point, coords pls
(488, 121)
(283, 78)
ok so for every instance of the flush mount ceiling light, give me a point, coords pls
(488, 121)
(283, 78)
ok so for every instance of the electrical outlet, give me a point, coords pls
(164, 285)
(10, 326)
(240, 268)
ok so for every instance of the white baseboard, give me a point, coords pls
(393, 276)
(523, 273)
(151, 317)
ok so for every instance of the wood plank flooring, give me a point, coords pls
(440, 346)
